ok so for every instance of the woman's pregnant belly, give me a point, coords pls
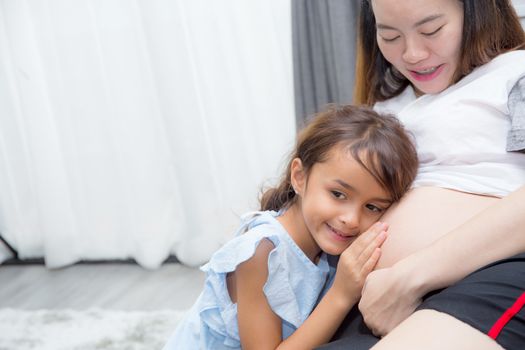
(422, 216)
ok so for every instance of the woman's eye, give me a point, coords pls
(389, 40)
(338, 195)
(433, 32)
(374, 209)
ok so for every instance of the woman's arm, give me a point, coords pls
(390, 295)
(260, 327)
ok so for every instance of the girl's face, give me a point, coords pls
(338, 200)
(421, 39)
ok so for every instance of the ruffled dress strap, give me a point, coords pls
(295, 283)
(292, 289)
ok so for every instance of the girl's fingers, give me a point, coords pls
(368, 237)
(360, 251)
(369, 265)
(369, 250)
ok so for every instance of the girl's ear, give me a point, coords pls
(298, 176)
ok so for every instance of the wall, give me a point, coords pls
(520, 8)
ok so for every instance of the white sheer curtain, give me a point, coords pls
(139, 128)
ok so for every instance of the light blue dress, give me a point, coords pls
(293, 288)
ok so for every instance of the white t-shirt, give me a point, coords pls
(461, 133)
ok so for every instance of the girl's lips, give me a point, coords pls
(426, 76)
(337, 235)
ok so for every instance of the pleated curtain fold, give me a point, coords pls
(324, 41)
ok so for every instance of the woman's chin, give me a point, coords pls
(428, 89)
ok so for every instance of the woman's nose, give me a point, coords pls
(415, 51)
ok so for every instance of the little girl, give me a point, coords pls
(271, 287)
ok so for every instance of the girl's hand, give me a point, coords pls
(389, 296)
(357, 261)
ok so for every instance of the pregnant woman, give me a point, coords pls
(453, 72)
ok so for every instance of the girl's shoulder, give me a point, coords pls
(254, 228)
(294, 282)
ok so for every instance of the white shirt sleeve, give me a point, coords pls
(516, 104)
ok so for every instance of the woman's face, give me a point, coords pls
(422, 39)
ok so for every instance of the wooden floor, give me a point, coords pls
(116, 286)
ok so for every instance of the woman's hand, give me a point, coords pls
(357, 261)
(389, 296)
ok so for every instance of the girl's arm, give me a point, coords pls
(390, 295)
(260, 327)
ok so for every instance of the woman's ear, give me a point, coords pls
(298, 176)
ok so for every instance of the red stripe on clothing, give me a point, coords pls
(506, 317)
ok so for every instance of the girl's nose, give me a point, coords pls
(415, 51)
(351, 220)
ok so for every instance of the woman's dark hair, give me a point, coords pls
(490, 28)
(378, 142)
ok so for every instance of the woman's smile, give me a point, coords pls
(426, 74)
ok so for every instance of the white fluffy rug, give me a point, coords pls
(92, 329)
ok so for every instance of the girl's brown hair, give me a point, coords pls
(378, 142)
(490, 28)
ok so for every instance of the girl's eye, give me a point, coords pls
(338, 195)
(374, 209)
(389, 40)
(432, 33)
